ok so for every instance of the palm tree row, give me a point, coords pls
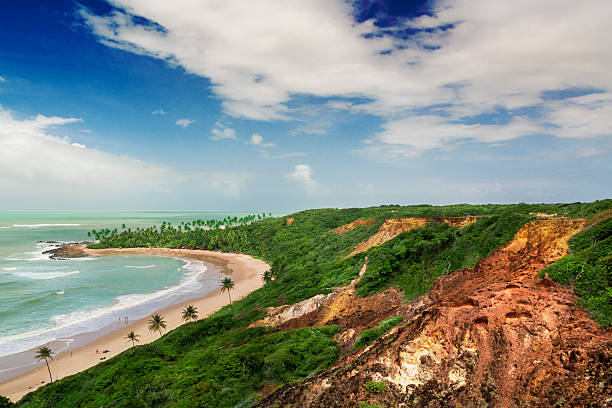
(184, 226)
(156, 323)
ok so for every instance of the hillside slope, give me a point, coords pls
(492, 335)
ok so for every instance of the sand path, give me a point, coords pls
(246, 272)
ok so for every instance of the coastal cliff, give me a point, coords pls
(493, 335)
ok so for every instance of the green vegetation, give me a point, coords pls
(133, 337)
(170, 232)
(366, 405)
(207, 363)
(5, 402)
(375, 386)
(414, 259)
(157, 324)
(227, 284)
(190, 313)
(218, 362)
(368, 336)
(588, 268)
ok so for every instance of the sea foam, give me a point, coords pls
(44, 275)
(135, 306)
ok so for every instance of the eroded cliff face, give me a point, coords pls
(392, 227)
(494, 335)
(341, 307)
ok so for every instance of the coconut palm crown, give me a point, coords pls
(131, 336)
(190, 313)
(227, 284)
(157, 324)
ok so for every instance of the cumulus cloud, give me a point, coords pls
(184, 122)
(256, 139)
(459, 64)
(301, 173)
(221, 132)
(159, 112)
(36, 162)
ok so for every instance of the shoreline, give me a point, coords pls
(80, 353)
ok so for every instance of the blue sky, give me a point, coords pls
(280, 106)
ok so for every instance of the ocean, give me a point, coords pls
(42, 299)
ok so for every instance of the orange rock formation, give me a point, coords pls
(352, 225)
(494, 335)
(395, 226)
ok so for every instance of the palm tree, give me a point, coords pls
(267, 276)
(190, 313)
(131, 336)
(157, 324)
(45, 353)
(226, 285)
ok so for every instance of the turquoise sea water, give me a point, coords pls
(43, 299)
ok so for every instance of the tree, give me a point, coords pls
(157, 324)
(267, 276)
(5, 402)
(131, 336)
(227, 284)
(45, 353)
(190, 313)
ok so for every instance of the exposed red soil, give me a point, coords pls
(289, 221)
(352, 225)
(494, 335)
(392, 227)
(341, 307)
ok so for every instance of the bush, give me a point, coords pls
(376, 387)
(5, 402)
(588, 268)
(368, 336)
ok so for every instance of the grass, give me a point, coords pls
(375, 387)
(368, 336)
(588, 269)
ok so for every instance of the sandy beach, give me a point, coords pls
(246, 272)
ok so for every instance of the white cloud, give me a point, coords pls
(266, 155)
(38, 164)
(2, 79)
(184, 122)
(256, 139)
(159, 112)
(301, 173)
(590, 152)
(505, 56)
(222, 132)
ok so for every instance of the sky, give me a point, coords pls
(274, 105)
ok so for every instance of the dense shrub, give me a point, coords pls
(588, 268)
(368, 336)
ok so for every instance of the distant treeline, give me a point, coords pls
(168, 235)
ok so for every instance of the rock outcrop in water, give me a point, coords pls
(495, 335)
(68, 250)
